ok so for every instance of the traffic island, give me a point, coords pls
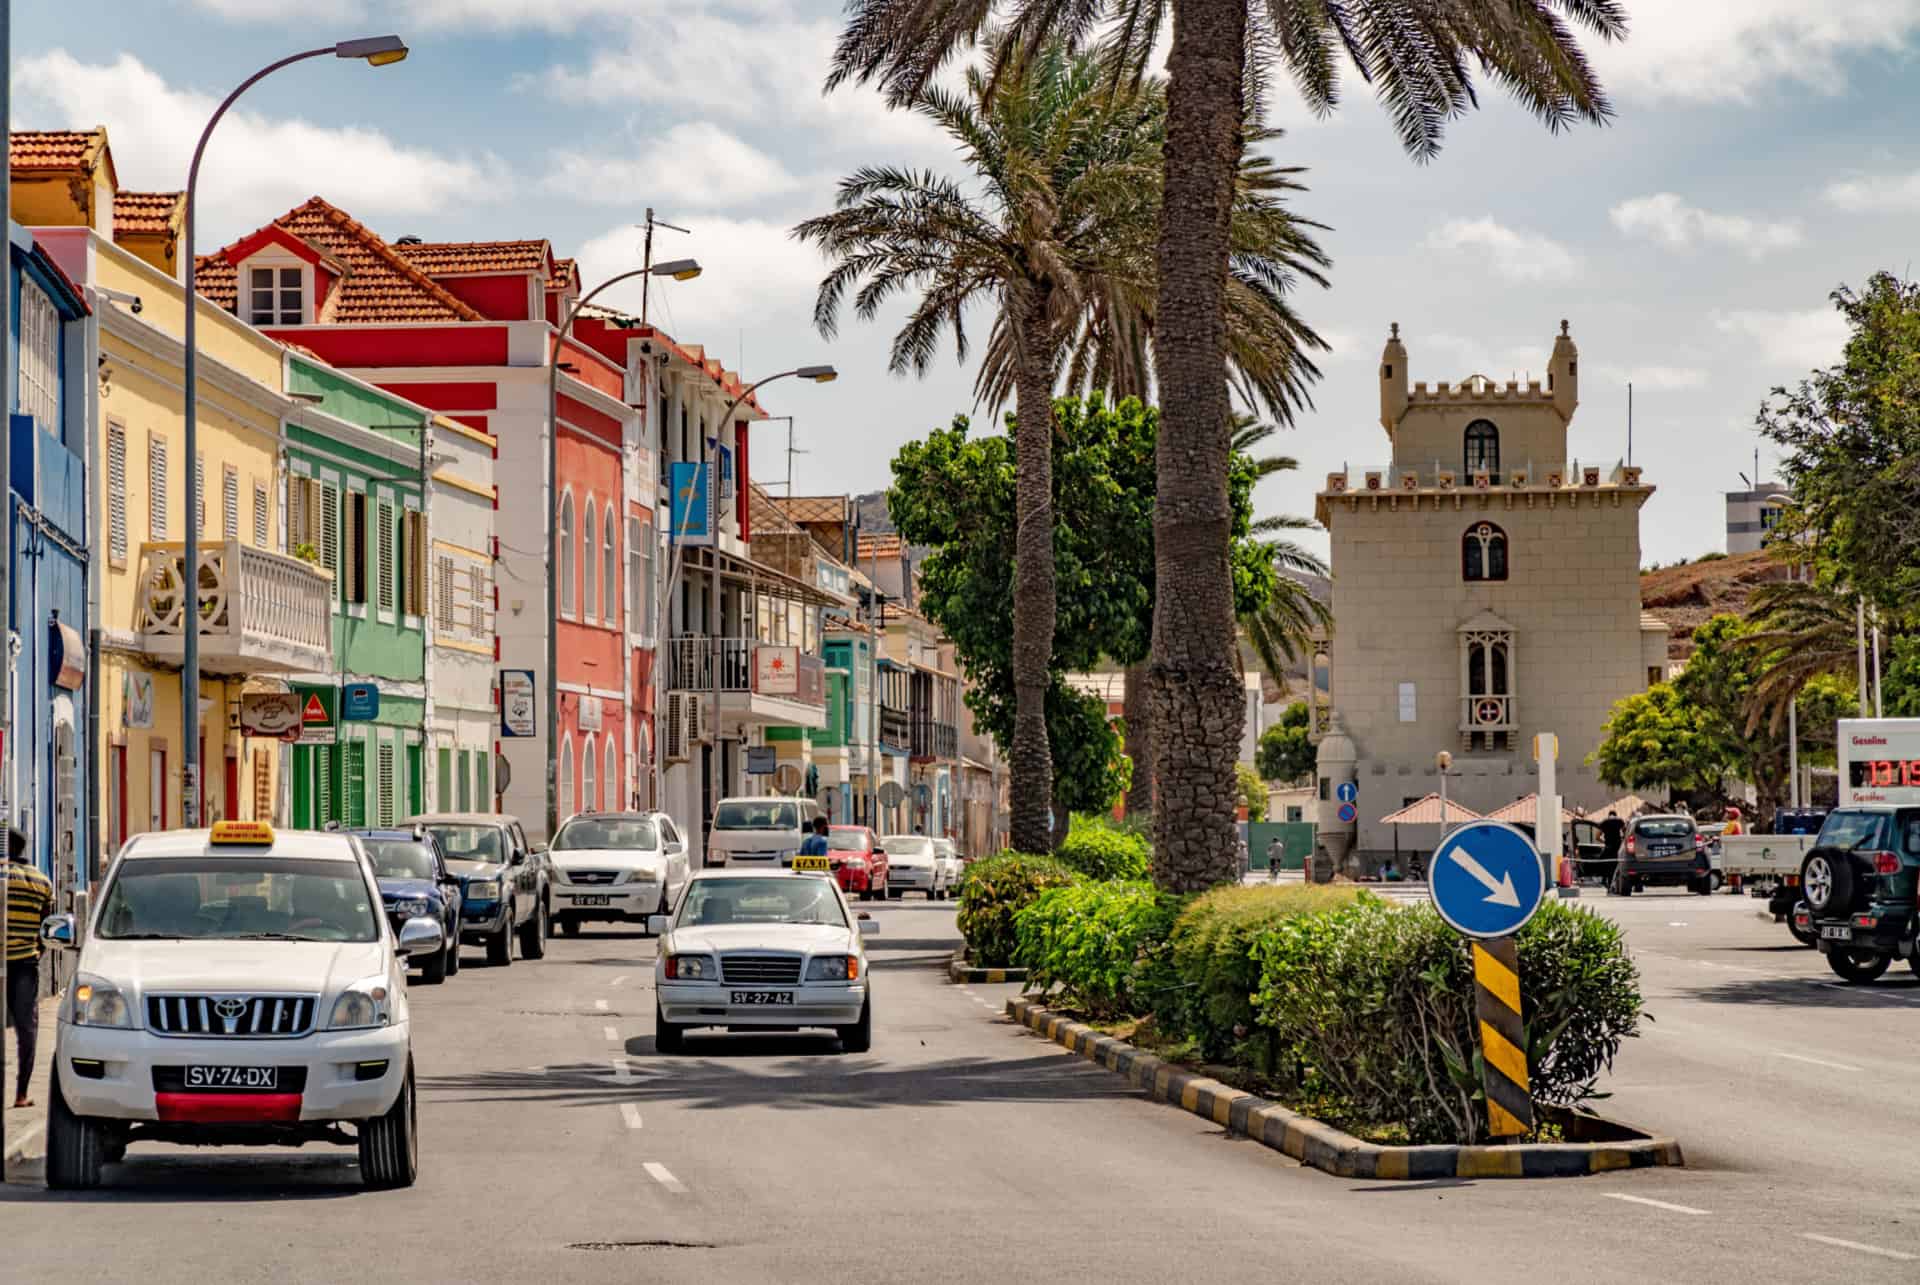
(1596, 1145)
(959, 971)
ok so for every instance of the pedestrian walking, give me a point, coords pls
(29, 900)
(815, 844)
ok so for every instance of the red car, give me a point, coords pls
(858, 864)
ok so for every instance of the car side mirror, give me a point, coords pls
(517, 859)
(659, 924)
(421, 936)
(675, 847)
(867, 926)
(879, 852)
(58, 931)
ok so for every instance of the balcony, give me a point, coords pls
(934, 740)
(764, 684)
(895, 729)
(259, 611)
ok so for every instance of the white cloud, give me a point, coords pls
(1803, 340)
(1666, 219)
(255, 167)
(1876, 194)
(1515, 255)
(1656, 378)
(435, 15)
(1730, 50)
(702, 165)
(753, 274)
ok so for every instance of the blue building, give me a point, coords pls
(48, 746)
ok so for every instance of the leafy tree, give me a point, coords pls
(1900, 677)
(1284, 753)
(1655, 740)
(1420, 60)
(1253, 791)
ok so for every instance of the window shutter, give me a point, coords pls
(116, 493)
(444, 798)
(156, 488)
(465, 784)
(482, 784)
(329, 531)
(200, 492)
(356, 774)
(299, 514)
(355, 566)
(590, 590)
(323, 768)
(384, 515)
(262, 535)
(609, 569)
(477, 601)
(443, 596)
(416, 553)
(229, 503)
(636, 597)
(384, 785)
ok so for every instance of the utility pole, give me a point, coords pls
(874, 610)
(646, 261)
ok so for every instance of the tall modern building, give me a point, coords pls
(1751, 515)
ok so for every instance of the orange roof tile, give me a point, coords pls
(815, 508)
(147, 212)
(57, 149)
(463, 258)
(885, 546)
(379, 286)
(566, 275)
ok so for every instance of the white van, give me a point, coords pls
(759, 831)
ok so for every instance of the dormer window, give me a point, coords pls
(276, 296)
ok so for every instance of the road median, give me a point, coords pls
(960, 972)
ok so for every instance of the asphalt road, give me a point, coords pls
(557, 1145)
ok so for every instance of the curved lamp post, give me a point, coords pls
(679, 270)
(378, 51)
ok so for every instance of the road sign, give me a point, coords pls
(1347, 812)
(517, 716)
(359, 703)
(1485, 879)
(316, 715)
(761, 760)
(1347, 792)
(891, 794)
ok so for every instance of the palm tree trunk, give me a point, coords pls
(1196, 697)
(1034, 607)
(1139, 745)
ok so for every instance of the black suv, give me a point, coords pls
(1859, 882)
(1665, 849)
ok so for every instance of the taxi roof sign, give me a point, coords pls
(812, 864)
(253, 833)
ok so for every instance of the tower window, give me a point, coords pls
(1482, 448)
(1483, 553)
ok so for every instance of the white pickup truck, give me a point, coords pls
(1767, 864)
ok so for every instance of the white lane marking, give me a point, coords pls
(660, 1175)
(1676, 923)
(1835, 1241)
(631, 1114)
(616, 981)
(1657, 1204)
(621, 1071)
(1814, 1061)
(1870, 994)
(613, 1034)
(600, 1004)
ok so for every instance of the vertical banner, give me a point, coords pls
(692, 505)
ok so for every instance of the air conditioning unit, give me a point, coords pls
(1447, 479)
(675, 739)
(1409, 481)
(1482, 480)
(1375, 479)
(699, 717)
(1336, 483)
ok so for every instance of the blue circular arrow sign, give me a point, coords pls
(1486, 879)
(1347, 792)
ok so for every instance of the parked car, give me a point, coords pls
(763, 831)
(507, 881)
(237, 987)
(615, 867)
(913, 866)
(1859, 882)
(416, 883)
(858, 861)
(952, 868)
(1662, 849)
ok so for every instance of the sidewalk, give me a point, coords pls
(26, 1128)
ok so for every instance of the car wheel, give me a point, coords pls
(453, 950)
(1703, 886)
(76, 1146)
(500, 943)
(1716, 881)
(533, 933)
(858, 1038)
(668, 1037)
(1913, 962)
(896, 894)
(390, 1144)
(1827, 882)
(434, 971)
(1857, 966)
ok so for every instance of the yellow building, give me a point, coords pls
(262, 612)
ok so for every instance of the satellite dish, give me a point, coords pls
(786, 778)
(502, 777)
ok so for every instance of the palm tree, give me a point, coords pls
(1803, 629)
(1419, 56)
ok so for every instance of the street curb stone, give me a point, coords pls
(1322, 1146)
(959, 971)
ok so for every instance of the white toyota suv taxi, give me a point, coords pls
(614, 867)
(237, 987)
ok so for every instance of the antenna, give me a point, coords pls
(1629, 423)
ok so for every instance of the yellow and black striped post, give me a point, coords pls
(1503, 1046)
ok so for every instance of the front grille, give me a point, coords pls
(244, 1016)
(782, 970)
(593, 878)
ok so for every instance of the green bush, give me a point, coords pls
(1094, 942)
(995, 890)
(1099, 848)
(1210, 952)
(1375, 1006)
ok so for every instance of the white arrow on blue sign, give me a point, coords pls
(1347, 792)
(1486, 879)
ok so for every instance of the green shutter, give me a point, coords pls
(484, 788)
(416, 779)
(466, 783)
(356, 785)
(303, 818)
(444, 798)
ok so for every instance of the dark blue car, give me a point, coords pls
(415, 883)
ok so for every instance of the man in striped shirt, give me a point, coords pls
(29, 900)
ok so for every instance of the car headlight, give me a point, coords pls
(99, 1003)
(858, 863)
(644, 874)
(833, 968)
(691, 968)
(412, 908)
(484, 890)
(361, 1005)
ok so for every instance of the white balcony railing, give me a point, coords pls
(258, 609)
(697, 662)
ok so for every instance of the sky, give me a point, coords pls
(1761, 156)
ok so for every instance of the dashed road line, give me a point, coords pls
(613, 1034)
(601, 1005)
(1814, 1061)
(631, 1114)
(622, 1071)
(659, 1173)
(1657, 1204)
(1837, 1243)
(616, 981)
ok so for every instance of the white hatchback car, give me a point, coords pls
(615, 867)
(238, 987)
(765, 949)
(914, 865)
(948, 853)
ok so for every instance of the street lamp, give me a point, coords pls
(819, 375)
(377, 51)
(679, 270)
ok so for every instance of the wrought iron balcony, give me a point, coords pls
(259, 610)
(934, 740)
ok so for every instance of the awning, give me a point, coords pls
(1625, 806)
(1527, 810)
(1427, 812)
(67, 656)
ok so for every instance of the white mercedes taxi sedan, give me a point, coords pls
(237, 987)
(763, 949)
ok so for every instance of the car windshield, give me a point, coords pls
(234, 898)
(1851, 830)
(747, 814)
(907, 845)
(400, 858)
(1664, 828)
(847, 840)
(605, 832)
(781, 899)
(470, 842)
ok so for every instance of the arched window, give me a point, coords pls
(563, 538)
(612, 782)
(589, 784)
(567, 805)
(590, 595)
(1483, 552)
(609, 570)
(1483, 449)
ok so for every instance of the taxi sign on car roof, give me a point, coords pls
(814, 864)
(252, 833)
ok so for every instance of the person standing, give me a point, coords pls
(29, 900)
(815, 844)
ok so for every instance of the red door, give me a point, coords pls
(233, 788)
